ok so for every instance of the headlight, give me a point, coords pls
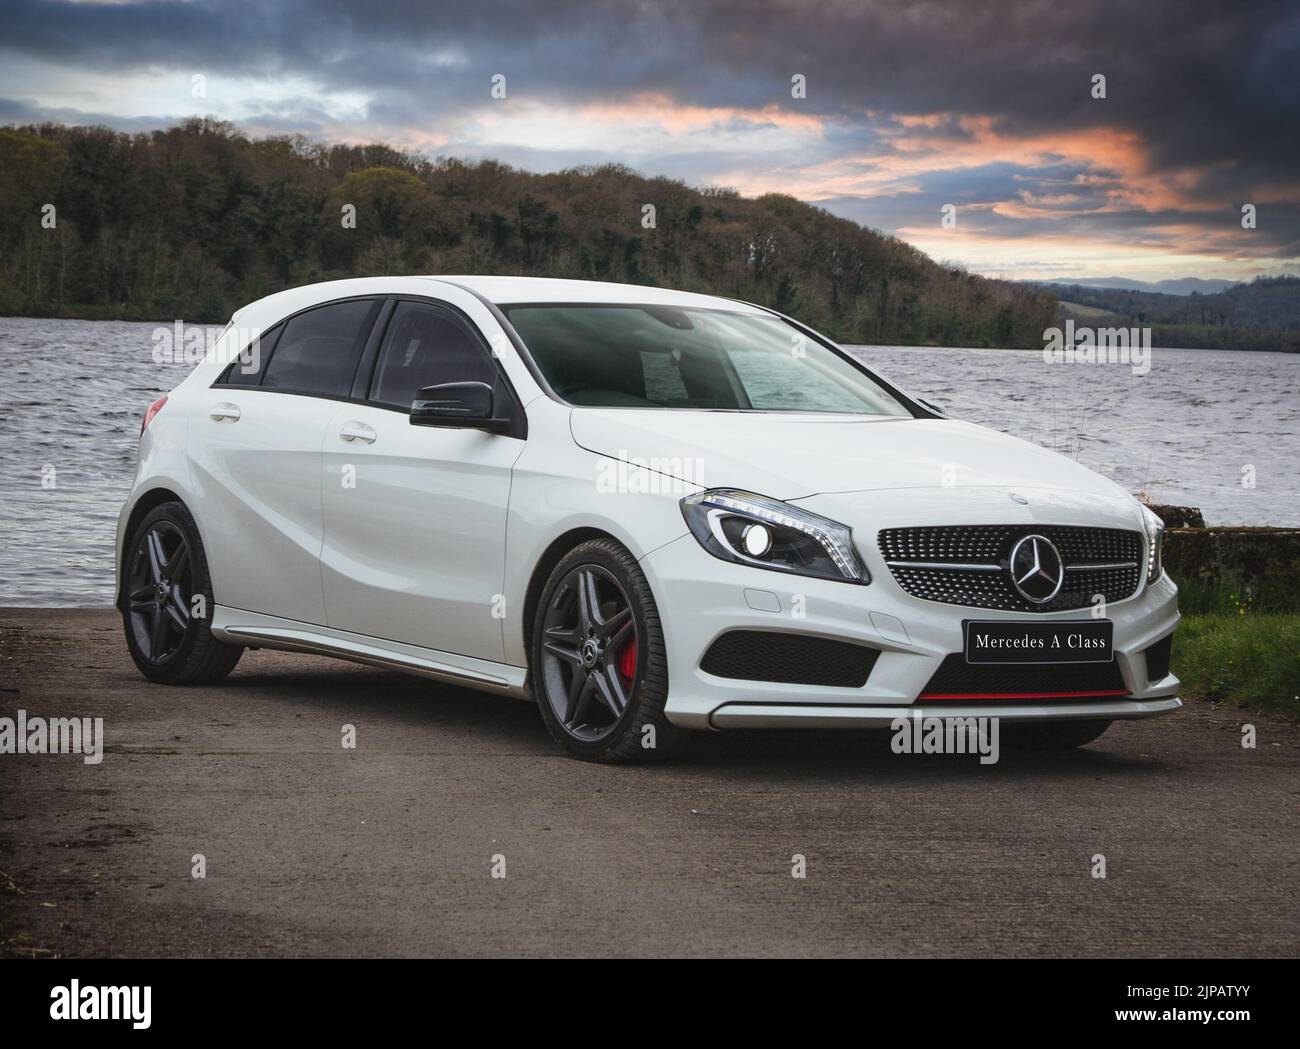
(1155, 529)
(767, 533)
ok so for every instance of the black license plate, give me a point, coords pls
(1021, 641)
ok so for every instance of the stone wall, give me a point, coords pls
(1266, 561)
(1263, 561)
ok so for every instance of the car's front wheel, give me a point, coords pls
(599, 666)
(167, 602)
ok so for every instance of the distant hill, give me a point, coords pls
(1182, 286)
(197, 220)
(1261, 315)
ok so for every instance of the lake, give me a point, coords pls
(1187, 432)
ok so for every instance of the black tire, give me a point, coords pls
(1053, 735)
(553, 675)
(182, 651)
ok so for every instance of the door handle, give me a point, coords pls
(224, 412)
(355, 431)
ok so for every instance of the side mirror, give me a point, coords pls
(467, 405)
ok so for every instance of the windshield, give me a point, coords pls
(615, 356)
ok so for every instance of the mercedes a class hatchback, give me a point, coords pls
(647, 510)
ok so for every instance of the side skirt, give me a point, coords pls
(238, 627)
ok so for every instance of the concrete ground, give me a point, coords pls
(388, 849)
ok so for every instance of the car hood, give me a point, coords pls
(793, 456)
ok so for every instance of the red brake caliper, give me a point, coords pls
(627, 660)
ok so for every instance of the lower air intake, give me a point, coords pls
(956, 680)
(1158, 658)
(793, 659)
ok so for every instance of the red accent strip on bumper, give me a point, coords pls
(1021, 695)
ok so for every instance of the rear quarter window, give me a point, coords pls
(247, 368)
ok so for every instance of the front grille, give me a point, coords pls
(957, 679)
(967, 564)
(795, 659)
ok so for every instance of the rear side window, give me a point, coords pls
(318, 350)
(247, 368)
(425, 346)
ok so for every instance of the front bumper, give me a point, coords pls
(701, 597)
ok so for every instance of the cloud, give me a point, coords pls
(909, 105)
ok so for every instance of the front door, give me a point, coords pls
(415, 516)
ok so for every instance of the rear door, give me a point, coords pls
(255, 454)
(415, 516)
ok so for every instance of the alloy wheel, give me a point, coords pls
(159, 590)
(589, 644)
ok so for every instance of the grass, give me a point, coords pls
(1079, 310)
(1231, 648)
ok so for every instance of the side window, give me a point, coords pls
(247, 368)
(318, 350)
(425, 346)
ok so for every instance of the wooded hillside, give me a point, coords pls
(1263, 314)
(197, 220)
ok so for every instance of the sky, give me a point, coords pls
(884, 113)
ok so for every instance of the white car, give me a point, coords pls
(646, 509)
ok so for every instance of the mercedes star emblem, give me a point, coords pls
(1037, 571)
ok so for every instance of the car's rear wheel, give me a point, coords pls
(167, 602)
(1053, 735)
(599, 666)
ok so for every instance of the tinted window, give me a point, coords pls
(247, 368)
(319, 350)
(425, 346)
